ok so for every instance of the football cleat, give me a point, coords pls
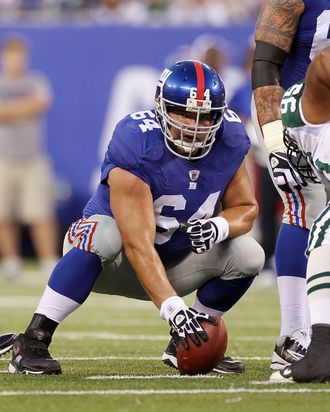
(31, 355)
(6, 342)
(315, 365)
(290, 349)
(282, 376)
(227, 365)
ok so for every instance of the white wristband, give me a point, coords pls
(222, 226)
(171, 306)
(273, 136)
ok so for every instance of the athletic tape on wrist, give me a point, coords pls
(273, 136)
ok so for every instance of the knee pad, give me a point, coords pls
(97, 234)
(249, 256)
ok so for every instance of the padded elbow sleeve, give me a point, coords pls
(267, 62)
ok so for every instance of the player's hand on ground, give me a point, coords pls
(285, 176)
(186, 323)
(204, 233)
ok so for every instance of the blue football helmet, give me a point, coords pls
(190, 86)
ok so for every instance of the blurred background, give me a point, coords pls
(102, 60)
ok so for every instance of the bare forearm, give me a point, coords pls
(267, 100)
(240, 219)
(132, 205)
(150, 272)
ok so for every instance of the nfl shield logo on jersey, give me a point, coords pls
(193, 174)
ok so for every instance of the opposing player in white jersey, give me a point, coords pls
(305, 112)
(288, 35)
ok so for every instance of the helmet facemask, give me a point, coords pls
(297, 158)
(202, 137)
(190, 89)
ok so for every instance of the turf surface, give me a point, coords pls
(110, 355)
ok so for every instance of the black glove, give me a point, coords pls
(285, 176)
(186, 324)
(204, 233)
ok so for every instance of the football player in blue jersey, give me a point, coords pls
(305, 112)
(288, 35)
(181, 166)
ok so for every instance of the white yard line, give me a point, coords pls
(124, 336)
(150, 377)
(83, 335)
(215, 391)
(109, 336)
(132, 358)
(144, 358)
(113, 303)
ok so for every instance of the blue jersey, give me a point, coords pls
(313, 34)
(181, 189)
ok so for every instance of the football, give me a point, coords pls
(199, 360)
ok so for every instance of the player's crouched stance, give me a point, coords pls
(179, 166)
(305, 112)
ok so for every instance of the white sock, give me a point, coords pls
(204, 309)
(318, 277)
(293, 303)
(55, 306)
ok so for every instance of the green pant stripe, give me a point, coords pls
(318, 287)
(319, 275)
(314, 227)
(323, 229)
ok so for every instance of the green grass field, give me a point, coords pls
(110, 353)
